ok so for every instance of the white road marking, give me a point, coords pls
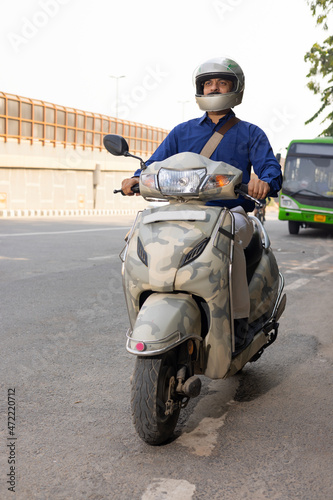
(297, 284)
(104, 257)
(12, 258)
(324, 273)
(308, 264)
(202, 440)
(167, 489)
(3, 235)
(201, 434)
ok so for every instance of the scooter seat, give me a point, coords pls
(253, 253)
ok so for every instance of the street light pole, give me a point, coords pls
(117, 78)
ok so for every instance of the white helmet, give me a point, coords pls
(219, 67)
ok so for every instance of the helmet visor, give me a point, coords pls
(221, 76)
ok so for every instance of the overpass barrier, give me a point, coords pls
(52, 157)
(32, 120)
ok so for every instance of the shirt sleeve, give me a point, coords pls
(265, 165)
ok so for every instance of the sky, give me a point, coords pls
(68, 52)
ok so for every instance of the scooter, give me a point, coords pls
(176, 269)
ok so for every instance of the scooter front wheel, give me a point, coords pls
(155, 409)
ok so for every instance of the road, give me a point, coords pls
(266, 433)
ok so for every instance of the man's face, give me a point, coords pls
(217, 86)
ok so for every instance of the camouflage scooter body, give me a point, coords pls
(176, 269)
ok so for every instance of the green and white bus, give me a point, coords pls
(306, 198)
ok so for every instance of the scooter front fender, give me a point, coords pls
(164, 321)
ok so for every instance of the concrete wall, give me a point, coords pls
(44, 177)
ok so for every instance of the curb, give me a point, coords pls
(83, 212)
(67, 212)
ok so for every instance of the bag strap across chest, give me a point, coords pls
(217, 137)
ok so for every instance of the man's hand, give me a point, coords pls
(127, 184)
(258, 189)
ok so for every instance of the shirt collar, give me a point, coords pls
(220, 122)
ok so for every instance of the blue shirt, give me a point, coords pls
(243, 145)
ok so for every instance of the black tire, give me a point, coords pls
(293, 227)
(150, 385)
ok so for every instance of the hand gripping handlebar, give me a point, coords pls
(135, 189)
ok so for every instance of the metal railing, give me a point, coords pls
(24, 119)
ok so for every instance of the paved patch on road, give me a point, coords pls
(165, 489)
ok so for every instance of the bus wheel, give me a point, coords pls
(293, 227)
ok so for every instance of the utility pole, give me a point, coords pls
(183, 108)
(117, 78)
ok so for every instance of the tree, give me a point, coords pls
(321, 59)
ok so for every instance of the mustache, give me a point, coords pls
(214, 93)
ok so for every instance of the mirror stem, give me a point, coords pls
(142, 163)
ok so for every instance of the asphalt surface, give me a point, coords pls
(266, 433)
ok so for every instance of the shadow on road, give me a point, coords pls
(257, 379)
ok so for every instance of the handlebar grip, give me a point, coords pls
(135, 189)
(241, 189)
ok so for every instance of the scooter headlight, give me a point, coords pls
(180, 182)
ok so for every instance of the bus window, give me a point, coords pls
(312, 174)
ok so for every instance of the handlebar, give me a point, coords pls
(241, 189)
(135, 189)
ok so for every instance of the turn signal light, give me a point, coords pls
(217, 181)
(190, 347)
(222, 180)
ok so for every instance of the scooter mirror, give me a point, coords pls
(115, 144)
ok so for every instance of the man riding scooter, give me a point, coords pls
(219, 135)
